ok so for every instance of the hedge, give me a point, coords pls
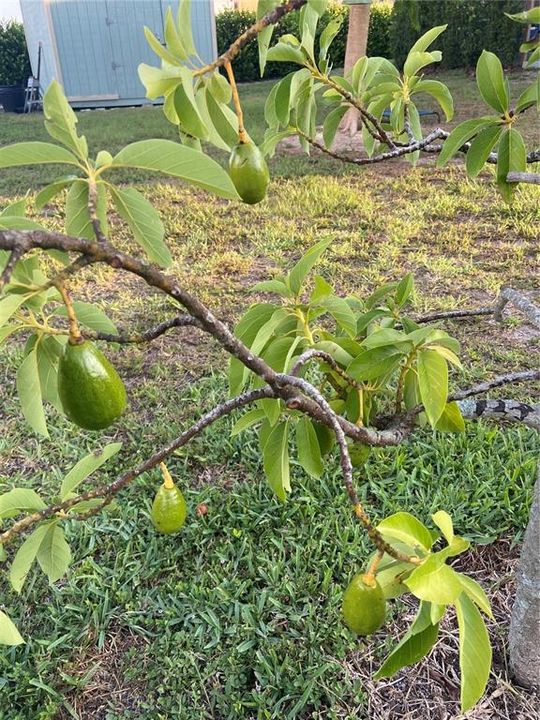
(14, 61)
(473, 25)
(231, 23)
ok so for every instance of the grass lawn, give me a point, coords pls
(238, 616)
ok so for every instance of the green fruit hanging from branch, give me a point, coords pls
(91, 392)
(249, 172)
(364, 605)
(169, 507)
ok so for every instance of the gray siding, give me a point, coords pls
(93, 47)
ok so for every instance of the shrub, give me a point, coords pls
(14, 60)
(473, 26)
(231, 23)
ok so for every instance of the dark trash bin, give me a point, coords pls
(12, 98)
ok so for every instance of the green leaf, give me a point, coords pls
(172, 159)
(17, 208)
(480, 149)
(264, 37)
(417, 60)
(476, 593)
(89, 315)
(172, 37)
(183, 22)
(186, 108)
(158, 48)
(219, 88)
(18, 500)
(299, 272)
(52, 190)
(474, 652)
(444, 522)
(251, 417)
(415, 644)
(375, 363)
(331, 124)
(406, 528)
(272, 286)
(328, 34)
(341, 312)
(77, 221)
(29, 390)
(54, 554)
(309, 19)
(321, 289)
(512, 157)
(427, 38)
(246, 330)
(529, 97)
(16, 222)
(282, 52)
(434, 581)
(309, 451)
(48, 351)
(223, 119)
(25, 556)
(387, 337)
(461, 135)
(35, 153)
(528, 17)
(159, 81)
(432, 371)
(276, 460)
(9, 635)
(451, 419)
(441, 94)
(85, 467)
(144, 222)
(9, 306)
(61, 121)
(491, 82)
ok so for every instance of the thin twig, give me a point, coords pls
(516, 377)
(14, 256)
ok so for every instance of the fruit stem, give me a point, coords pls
(168, 482)
(75, 335)
(369, 576)
(242, 134)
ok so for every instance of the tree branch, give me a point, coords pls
(528, 308)
(148, 335)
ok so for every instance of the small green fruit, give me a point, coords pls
(249, 172)
(168, 509)
(91, 392)
(364, 606)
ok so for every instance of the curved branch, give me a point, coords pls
(108, 492)
(148, 335)
(509, 410)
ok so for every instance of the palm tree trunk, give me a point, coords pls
(356, 48)
(524, 638)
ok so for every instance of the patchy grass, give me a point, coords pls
(238, 616)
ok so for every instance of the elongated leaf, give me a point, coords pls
(61, 121)
(328, 34)
(29, 390)
(512, 157)
(433, 383)
(417, 60)
(461, 135)
(406, 528)
(441, 94)
(52, 190)
(158, 48)
(276, 460)
(331, 124)
(282, 52)
(9, 305)
(272, 286)
(223, 119)
(491, 82)
(85, 467)
(159, 81)
(144, 222)
(415, 644)
(186, 107)
(77, 222)
(264, 37)
(341, 312)
(434, 581)
(172, 159)
(9, 635)
(54, 554)
(427, 38)
(444, 522)
(480, 149)
(476, 593)
(530, 96)
(48, 351)
(374, 363)
(309, 18)
(474, 652)
(89, 315)
(25, 556)
(19, 499)
(183, 22)
(297, 275)
(35, 153)
(451, 419)
(251, 417)
(309, 451)
(219, 88)
(247, 330)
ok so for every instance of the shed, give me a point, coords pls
(93, 47)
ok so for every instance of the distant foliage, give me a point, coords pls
(473, 26)
(14, 60)
(231, 23)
